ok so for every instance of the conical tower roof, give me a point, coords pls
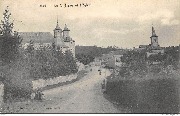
(66, 28)
(57, 26)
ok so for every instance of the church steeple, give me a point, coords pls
(58, 35)
(153, 31)
(57, 25)
(154, 38)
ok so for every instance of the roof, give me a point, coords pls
(65, 28)
(57, 27)
(37, 37)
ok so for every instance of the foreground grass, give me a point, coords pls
(149, 94)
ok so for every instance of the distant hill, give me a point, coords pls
(93, 50)
(86, 54)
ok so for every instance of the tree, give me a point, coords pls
(70, 62)
(6, 26)
(85, 59)
(30, 47)
(9, 40)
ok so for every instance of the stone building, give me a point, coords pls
(153, 47)
(61, 39)
(112, 59)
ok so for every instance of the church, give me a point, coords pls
(61, 39)
(154, 47)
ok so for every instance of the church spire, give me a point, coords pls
(57, 20)
(57, 25)
(153, 31)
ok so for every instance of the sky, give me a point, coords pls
(123, 23)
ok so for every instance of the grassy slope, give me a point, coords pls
(151, 94)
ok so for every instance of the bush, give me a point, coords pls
(135, 61)
(17, 83)
(48, 63)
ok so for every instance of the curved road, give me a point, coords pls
(83, 96)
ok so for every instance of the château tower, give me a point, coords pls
(68, 40)
(58, 35)
(62, 39)
(66, 33)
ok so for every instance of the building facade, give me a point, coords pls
(111, 60)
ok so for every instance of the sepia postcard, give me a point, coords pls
(90, 56)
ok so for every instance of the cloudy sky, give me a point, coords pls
(124, 23)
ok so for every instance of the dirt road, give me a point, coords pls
(83, 96)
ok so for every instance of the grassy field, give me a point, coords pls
(158, 94)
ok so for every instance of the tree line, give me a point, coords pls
(49, 62)
(139, 63)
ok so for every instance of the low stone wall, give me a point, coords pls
(40, 83)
